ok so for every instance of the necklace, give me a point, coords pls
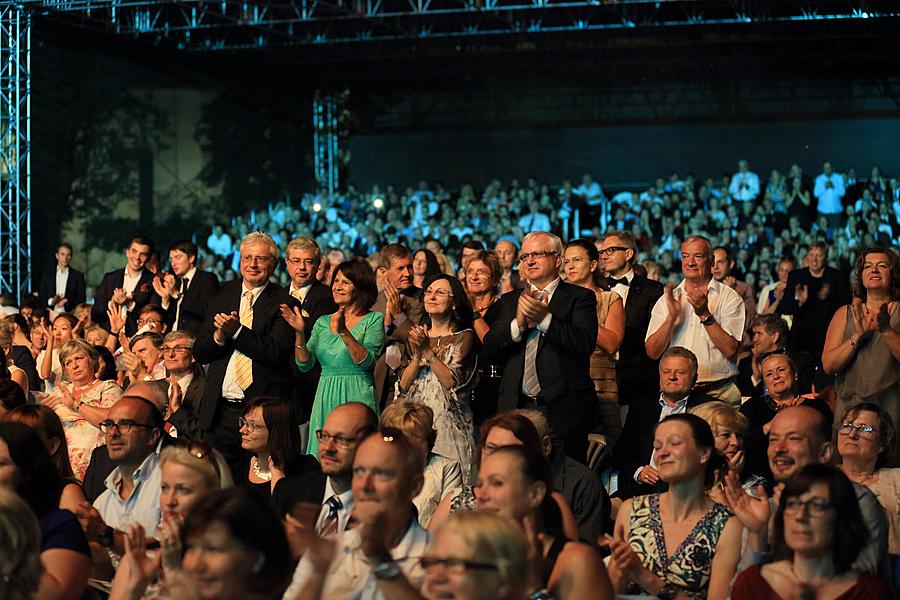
(267, 476)
(860, 478)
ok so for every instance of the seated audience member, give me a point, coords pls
(441, 371)
(771, 295)
(704, 562)
(862, 345)
(579, 485)
(50, 368)
(20, 547)
(143, 358)
(345, 343)
(186, 380)
(780, 380)
(633, 455)
(275, 465)
(152, 318)
(515, 482)
(770, 333)
(425, 265)
(819, 532)
(728, 426)
(234, 547)
(11, 396)
(47, 425)
(82, 404)
(20, 350)
(39, 339)
(96, 336)
(29, 471)
(504, 429)
(387, 475)
(106, 371)
(866, 436)
(479, 556)
(442, 476)
(798, 436)
(6, 363)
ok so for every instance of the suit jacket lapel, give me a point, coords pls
(559, 297)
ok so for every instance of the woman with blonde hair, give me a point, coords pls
(20, 548)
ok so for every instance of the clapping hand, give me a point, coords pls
(418, 341)
(141, 568)
(393, 301)
(116, 320)
(802, 294)
(300, 526)
(340, 321)
(294, 317)
(176, 397)
(883, 318)
(673, 305)
(698, 299)
(119, 296)
(824, 292)
(165, 286)
(170, 541)
(226, 325)
(753, 513)
(626, 560)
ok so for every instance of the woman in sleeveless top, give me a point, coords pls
(680, 541)
(862, 345)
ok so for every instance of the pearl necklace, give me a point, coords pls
(267, 476)
(860, 478)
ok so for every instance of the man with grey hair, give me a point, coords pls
(247, 344)
(544, 335)
(186, 381)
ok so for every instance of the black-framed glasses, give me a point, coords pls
(545, 254)
(175, 349)
(864, 431)
(123, 425)
(613, 249)
(341, 441)
(816, 507)
(142, 322)
(251, 425)
(455, 565)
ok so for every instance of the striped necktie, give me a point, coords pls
(330, 524)
(243, 366)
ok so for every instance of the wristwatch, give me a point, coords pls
(386, 571)
(708, 321)
(107, 537)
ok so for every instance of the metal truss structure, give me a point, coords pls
(232, 24)
(15, 151)
(325, 142)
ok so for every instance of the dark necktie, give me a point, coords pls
(330, 524)
(621, 281)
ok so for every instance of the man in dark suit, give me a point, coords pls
(544, 336)
(247, 344)
(618, 252)
(401, 304)
(63, 288)
(186, 381)
(633, 455)
(314, 298)
(129, 289)
(185, 292)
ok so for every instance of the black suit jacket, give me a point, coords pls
(634, 364)
(318, 302)
(269, 344)
(562, 361)
(144, 294)
(76, 291)
(635, 445)
(201, 289)
(22, 358)
(811, 320)
(187, 418)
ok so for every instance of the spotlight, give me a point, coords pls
(317, 207)
(378, 203)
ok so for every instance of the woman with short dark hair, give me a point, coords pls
(345, 343)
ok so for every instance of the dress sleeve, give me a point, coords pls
(463, 360)
(312, 344)
(109, 395)
(372, 340)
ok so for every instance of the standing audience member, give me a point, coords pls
(771, 296)
(819, 532)
(744, 186)
(829, 192)
(508, 254)
(482, 283)
(863, 341)
(27, 469)
(425, 265)
(722, 266)
(704, 316)
(442, 368)
(544, 337)
(246, 344)
(680, 541)
(63, 288)
(345, 343)
(581, 261)
(186, 291)
(128, 289)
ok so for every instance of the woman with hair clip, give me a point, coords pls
(441, 371)
(679, 543)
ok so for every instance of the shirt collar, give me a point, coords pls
(59, 270)
(680, 405)
(142, 473)
(255, 291)
(300, 289)
(346, 498)
(550, 288)
(190, 274)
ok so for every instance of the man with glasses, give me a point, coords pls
(186, 291)
(144, 360)
(127, 290)
(186, 382)
(544, 336)
(246, 343)
(618, 251)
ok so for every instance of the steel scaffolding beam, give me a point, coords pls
(15, 151)
(326, 145)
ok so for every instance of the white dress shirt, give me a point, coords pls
(829, 198)
(744, 186)
(301, 292)
(622, 290)
(343, 512)
(230, 387)
(62, 278)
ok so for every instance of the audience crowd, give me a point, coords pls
(423, 395)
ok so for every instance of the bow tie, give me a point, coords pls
(622, 281)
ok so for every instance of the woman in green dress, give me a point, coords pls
(345, 344)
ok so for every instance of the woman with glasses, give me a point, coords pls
(862, 345)
(819, 532)
(581, 261)
(276, 466)
(866, 436)
(345, 343)
(482, 281)
(441, 371)
(82, 403)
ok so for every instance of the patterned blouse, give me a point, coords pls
(688, 568)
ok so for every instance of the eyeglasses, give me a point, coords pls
(816, 507)
(524, 257)
(439, 292)
(123, 426)
(176, 349)
(612, 249)
(479, 272)
(255, 259)
(341, 441)
(251, 425)
(296, 262)
(455, 565)
(864, 431)
(142, 322)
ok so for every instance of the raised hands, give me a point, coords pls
(418, 341)
(626, 561)
(164, 286)
(865, 321)
(116, 320)
(824, 292)
(393, 303)
(531, 309)
(170, 541)
(119, 297)
(753, 513)
(300, 526)
(176, 397)
(294, 317)
(673, 305)
(141, 567)
(340, 321)
(802, 294)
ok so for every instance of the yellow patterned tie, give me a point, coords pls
(243, 366)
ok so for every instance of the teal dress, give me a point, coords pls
(342, 380)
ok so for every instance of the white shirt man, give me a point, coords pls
(829, 191)
(744, 185)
